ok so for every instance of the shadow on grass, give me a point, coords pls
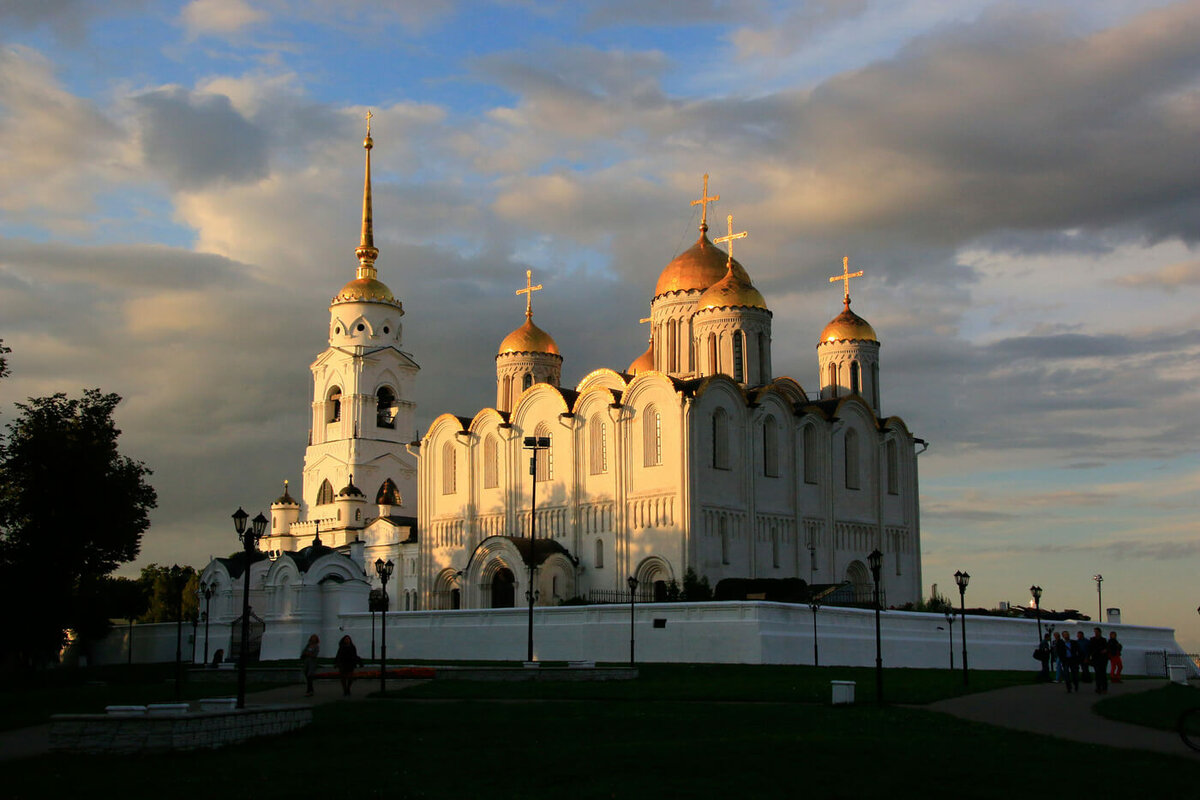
(1157, 708)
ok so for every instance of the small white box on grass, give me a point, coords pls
(843, 692)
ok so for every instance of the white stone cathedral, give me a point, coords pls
(693, 458)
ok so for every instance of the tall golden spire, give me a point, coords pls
(366, 251)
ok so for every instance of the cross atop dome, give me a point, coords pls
(729, 237)
(845, 278)
(528, 292)
(703, 203)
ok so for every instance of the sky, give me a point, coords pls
(180, 187)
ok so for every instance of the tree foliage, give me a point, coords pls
(72, 509)
(170, 591)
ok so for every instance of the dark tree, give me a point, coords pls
(166, 588)
(72, 509)
(4, 361)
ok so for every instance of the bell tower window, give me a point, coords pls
(385, 408)
(333, 405)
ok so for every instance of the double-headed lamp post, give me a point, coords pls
(962, 579)
(1099, 579)
(1036, 593)
(875, 560)
(633, 584)
(534, 444)
(249, 537)
(384, 570)
(206, 589)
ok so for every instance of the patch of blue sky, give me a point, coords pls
(130, 216)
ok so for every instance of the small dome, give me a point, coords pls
(848, 327)
(285, 499)
(732, 291)
(697, 268)
(365, 290)
(528, 338)
(644, 362)
(389, 494)
(350, 490)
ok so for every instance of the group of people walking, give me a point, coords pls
(346, 660)
(1097, 659)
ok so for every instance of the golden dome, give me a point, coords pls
(698, 267)
(365, 290)
(848, 327)
(734, 290)
(644, 362)
(528, 338)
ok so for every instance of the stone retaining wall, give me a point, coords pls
(110, 734)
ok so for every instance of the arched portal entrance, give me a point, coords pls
(503, 589)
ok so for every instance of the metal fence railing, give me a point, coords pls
(1157, 662)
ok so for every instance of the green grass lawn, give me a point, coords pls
(736, 682)
(32, 699)
(613, 748)
(1157, 708)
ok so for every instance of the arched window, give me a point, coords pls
(833, 379)
(875, 387)
(893, 468)
(811, 465)
(491, 463)
(672, 345)
(507, 394)
(714, 364)
(723, 532)
(545, 458)
(449, 470)
(385, 408)
(651, 437)
(764, 366)
(325, 493)
(527, 381)
(775, 547)
(720, 439)
(852, 479)
(333, 405)
(854, 385)
(770, 445)
(739, 372)
(599, 554)
(599, 445)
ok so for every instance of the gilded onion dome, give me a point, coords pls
(528, 338)
(365, 290)
(644, 362)
(732, 291)
(285, 499)
(697, 268)
(848, 327)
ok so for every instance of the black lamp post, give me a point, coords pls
(950, 627)
(633, 584)
(962, 578)
(1099, 579)
(875, 560)
(533, 444)
(815, 605)
(249, 537)
(384, 570)
(1036, 593)
(176, 580)
(207, 591)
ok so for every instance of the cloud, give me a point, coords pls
(781, 34)
(219, 16)
(66, 19)
(1171, 276)
(195, 139)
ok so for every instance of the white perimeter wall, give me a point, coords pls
(752, 632)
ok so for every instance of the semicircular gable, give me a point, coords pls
(653, 384)
(539, 395)
(444, 424)
(789, 388)
(609, 379)
(486, 419)
(593, 399)
(333, 565)
(854, 404)
(720, 390)
(894, 424)
(282, 570)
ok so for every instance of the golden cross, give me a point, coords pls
(730, 236)
(528, 292)
(703, 203)
(369, 116)
(846, 276)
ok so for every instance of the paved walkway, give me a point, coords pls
(1047, 708)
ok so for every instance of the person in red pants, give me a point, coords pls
(1116, 667)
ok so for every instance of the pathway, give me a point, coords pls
(1047, 708)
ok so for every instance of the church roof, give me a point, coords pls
(528, 338)
(848, 327)
(286, 498)
(236, 563)
(695, 269)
